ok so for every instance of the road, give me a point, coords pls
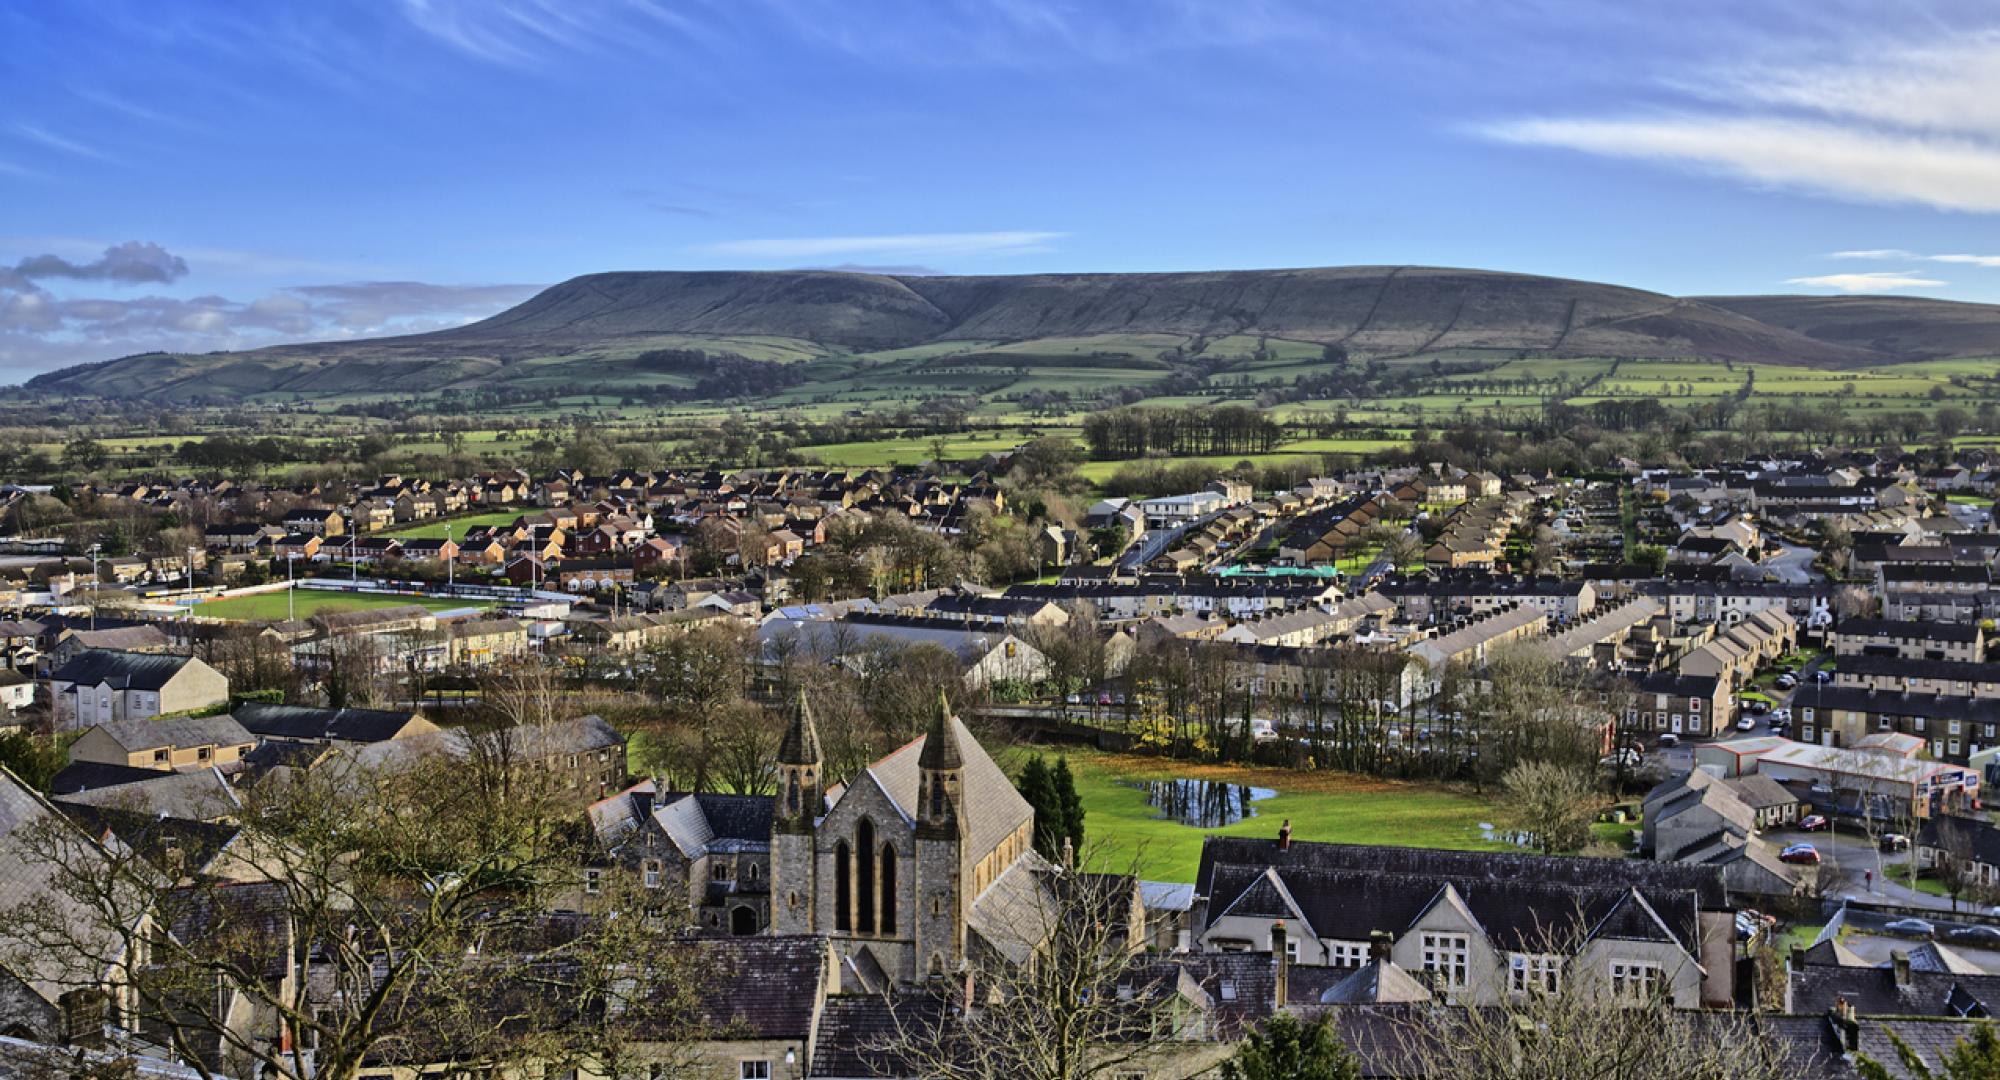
(1793, 565)
(1381, 564)
(1847, 861)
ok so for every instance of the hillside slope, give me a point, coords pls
(590, 329)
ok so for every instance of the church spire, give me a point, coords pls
(801, 745)
(941, 751)
(800, 800)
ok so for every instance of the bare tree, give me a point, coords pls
(1554, 804)
(395, 913)
(1581, 1028)
(1069, 996)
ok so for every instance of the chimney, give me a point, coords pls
(1845, 1025)
(1285, 835)
(1379, 944)
(1798, 957)
(1280, 960)
(1899, 962)
(84, 1015)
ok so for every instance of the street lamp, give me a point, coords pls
(291, 588)
(93, 584)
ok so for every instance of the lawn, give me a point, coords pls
(1121, 828)
(436, 530)
(273, 606)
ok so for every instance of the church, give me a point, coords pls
(924, 859)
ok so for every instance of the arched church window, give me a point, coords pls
(888, 889)
(843, 906)
(864, 877)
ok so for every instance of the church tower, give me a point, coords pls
(942, 903)
(794, 824)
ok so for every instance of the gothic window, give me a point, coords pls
(937, 963)
(888, 889)
(864, 877)
(843, 919)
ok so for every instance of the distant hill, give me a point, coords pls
(608, 330)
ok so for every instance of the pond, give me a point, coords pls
(1203, 804)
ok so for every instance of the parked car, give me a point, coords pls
(1624, 755)
(1758, 706)
(1800, 853)
(1894, 841)
(1983, 936)
(1746, 723)
(1823, 675)
(1782, 715)
(1911, 927)
(1813, 822)
(1669, 739)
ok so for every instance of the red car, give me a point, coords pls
(1813, 822)
(1800, 853)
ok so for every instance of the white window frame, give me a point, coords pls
(1346, 954)
(1539, 972)
(1448, 953)
(1636, 980)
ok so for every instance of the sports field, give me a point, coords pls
(436, 530)
(272, 606)
(1122, 828)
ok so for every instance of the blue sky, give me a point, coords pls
(186, 175)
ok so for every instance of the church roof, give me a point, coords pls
(801, 745)
(991, 807)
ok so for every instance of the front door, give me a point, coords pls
(1677, 723)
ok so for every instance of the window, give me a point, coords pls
(1448, 954)
(1953, 728)
(1635, 980)
(651, 871)
(754, 1070)
(1539, 972)
(593, 881)
(1292, 949)
(202, 754)
(1917, 723)
(1346, 953)
(1694, 705)
(1807, 715)
(160, 756)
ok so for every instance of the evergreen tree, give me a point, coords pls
(1069, 806)
(1287, 1048)
(1038, 788)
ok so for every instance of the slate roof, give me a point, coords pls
(24, 877)
(1874, 991)
(122, 670)
(854, 1027)
(85, 775)
(765, 987)
(1348, 891)
(176, 731)
(991, 806)
(200, 795)
(304, 722)
(1897, 628)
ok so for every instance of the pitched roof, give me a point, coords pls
(122, 670)
(175, 731)
(304, 722)
(991, 806)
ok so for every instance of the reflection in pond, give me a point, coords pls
(1204, 804)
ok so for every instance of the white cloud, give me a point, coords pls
(1878, 116)
(1900, 255)
(54, 141)
(1873, 281)
(907, 245)
(1943, 171)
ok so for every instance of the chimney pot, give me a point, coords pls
(1379, 944)
(1899, 962)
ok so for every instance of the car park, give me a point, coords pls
(1813, 822)
(1800, 853)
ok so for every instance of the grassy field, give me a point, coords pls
(435, 530)
(309, 602)
(1120, 826)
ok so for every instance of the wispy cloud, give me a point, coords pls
(520, 33)
(1943, 171)
(1872, 281)
(1914, 122)
(1900, 255)
(45, 137)
(905, 245)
